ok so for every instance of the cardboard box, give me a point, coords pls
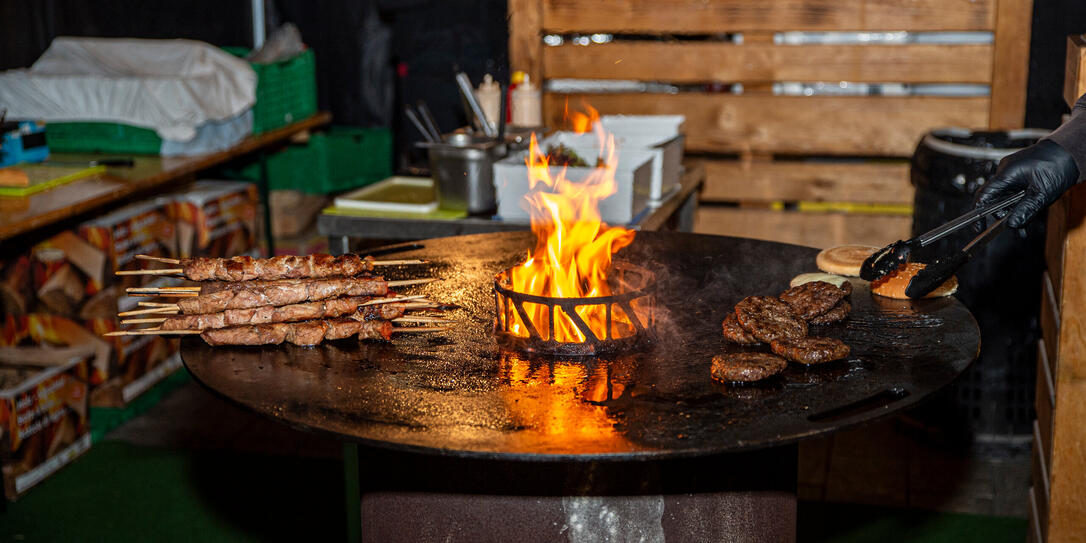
(215, 218)
(16, 294)
(138, 362)
(45, 363)
(73, 277)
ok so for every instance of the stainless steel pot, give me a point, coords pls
(462, 168)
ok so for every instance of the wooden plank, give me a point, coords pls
(21, 215)
(1067, 505)
(1039, 477)
(1055, 240)
(1010, 64)
(1074, 83)
(1044, 400)
(842, 125)
(819, 230)
(705, 17)
(1050, 326)
(525, 37)
(759, 62)
(884, 182)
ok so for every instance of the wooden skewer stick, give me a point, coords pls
(159, 259)
(415, 319)
(151, 332)
(194, 289)
(164, 271)
(420, 306)
(397, 262)
(143, 321)
(148, 311)
(157, 304)
(166, 294)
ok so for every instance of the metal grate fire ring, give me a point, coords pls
(637, 300)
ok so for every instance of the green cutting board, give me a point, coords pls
(45, 177)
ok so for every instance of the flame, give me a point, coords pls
(572, 255)
(582, 122)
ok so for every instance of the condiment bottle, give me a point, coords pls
(489, 95)
(527, 104)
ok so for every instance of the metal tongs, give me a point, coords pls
(893, 256)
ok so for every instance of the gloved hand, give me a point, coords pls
(1044, 170)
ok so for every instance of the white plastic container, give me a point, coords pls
(633, 177)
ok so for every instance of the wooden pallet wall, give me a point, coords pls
(761, 149)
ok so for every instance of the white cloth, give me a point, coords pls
(170, 86)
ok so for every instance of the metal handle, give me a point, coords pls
(468, 93)
(931, 236)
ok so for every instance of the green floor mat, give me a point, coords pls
(845, 523)
(122, 492)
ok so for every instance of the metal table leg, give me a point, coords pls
(265, 197)
(686, 213)
(352, 492)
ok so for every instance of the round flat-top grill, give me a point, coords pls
(460, 394)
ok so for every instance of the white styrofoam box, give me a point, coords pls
(653, 127)
(633, 178)
(666, 155)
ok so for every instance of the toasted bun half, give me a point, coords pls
(844, 259)
(836, 280)
(893, 285)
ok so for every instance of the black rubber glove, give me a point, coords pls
(1044, 170)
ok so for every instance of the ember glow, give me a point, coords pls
(573, 250)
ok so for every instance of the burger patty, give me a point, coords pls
(846, 287)
(839, 312)
(735, 333)
(746, 367)
(769, 319)
(811, 350)
(812, 299)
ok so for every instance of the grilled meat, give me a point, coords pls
(769, 319)
(335, 307)
(746, 367)
(246, 268)
(280, 293)
(837, 313)
(812, 299)
(811, 350)
(298, 333)
(735, 333)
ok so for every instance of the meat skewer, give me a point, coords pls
(280, 293)
(334, 307)
(298, 333)
(153, 308)
(247, 268)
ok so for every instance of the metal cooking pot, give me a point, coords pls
(462, 168)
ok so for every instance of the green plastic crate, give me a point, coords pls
(286, 91)
(102, 138)
(335, 160)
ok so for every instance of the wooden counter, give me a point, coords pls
(150, 173)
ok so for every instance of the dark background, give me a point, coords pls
(373, 56)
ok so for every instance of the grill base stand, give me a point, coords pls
(732, 497)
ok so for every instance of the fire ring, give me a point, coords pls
(635, 300)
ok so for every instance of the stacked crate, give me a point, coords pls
(841, 160)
